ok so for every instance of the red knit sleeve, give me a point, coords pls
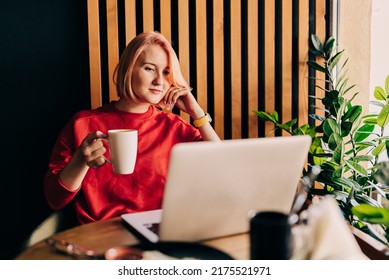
(56, 193)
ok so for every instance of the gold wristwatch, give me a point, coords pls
(203, 120)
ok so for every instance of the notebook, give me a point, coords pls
(211, 187)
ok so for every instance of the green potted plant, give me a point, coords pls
(346, 143)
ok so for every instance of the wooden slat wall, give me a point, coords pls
(320, 30)
(183, 50)
(269, 71)
(113, 43)
(94, 53)
(286, 57)
(201, 89)
(302, 53)
(238, 56)
(252, 66)
(236, 68)
(130, 20)
(218, 65)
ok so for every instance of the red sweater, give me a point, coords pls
(104, 194)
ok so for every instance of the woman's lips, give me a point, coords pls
(156, 91)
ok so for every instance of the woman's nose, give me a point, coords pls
(158, 80)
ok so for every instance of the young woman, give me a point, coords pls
(148, 78)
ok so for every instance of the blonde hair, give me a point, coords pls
(123, 71)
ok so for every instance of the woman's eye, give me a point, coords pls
(149, 69)
(166, 72)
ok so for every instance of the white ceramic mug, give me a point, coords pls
(123, 147)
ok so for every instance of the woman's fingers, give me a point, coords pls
(93, 150)
(174, 93)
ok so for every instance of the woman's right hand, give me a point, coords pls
(89, 154)
(92, 149)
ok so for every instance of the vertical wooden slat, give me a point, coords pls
(130, 19)
(269, 62)
(303, 57)
(201, 53)
(236, 68)
(113, 44)
(165, 13)
(321, 32)
(286, 62)
(183, 46)
(252, 66)
(94, 53)
(148, 15)
(218, 64)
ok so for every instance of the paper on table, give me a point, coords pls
(326, 236)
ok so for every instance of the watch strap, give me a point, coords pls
(203, 120)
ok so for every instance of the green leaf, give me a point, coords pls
(329, 44)
(316, 117)
(318, 67)
(305, 130)
(363, 158)
(291, 122)
(356, 124)
(320, 108)
(338, 154)
(275, 116)
(387, 84)
(317, 44)
(330, 126)
(365, 199)
(330, 97)
(357, 167)
(265, 116)
(317, 159)
(379, 93)
(379, 149)
(377, 103)
(342, 108)
(347, 183)
(336, 105)
(346, 128)
(284, 127)
(364, 145)
(371, 121)
(338, 172)
(334, 60)
(370, 116)
(334, 140)
(342, 85)
(371, 214)
(363, 132)
(348, 89)
(352, 98)
(353, 113)
(383, 116)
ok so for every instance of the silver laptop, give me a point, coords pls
(211, 187)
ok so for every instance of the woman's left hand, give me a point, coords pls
(184, 100)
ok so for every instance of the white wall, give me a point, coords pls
(379, 45)
(379, 51)
(354, 36)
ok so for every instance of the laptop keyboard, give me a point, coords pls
(153, 227)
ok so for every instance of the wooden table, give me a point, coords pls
(102, 235)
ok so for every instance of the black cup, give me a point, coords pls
(270, 235)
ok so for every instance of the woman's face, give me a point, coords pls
(150, 77)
